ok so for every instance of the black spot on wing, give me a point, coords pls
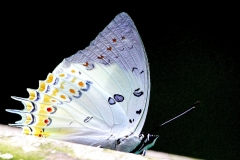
(139, 111)
(131, 121)
(130, 47)
(38, 96)
(134, 69)
(86, 120)
(111, 101)
(141, 72)
(137, 92)
(90, 67)
(118, 97)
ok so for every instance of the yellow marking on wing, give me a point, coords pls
(43, 109)
(73, 71)
(28, 106)
(62, 75)
(47, 98)
(41, 121)
(55, 91)
(28, 119)
(32, 94)
(49, 78)
(42, 86)
(37, 131)
(61, 85)
(26, 130)
(73, 80)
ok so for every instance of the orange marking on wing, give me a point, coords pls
(63, 97)
(85, 64)
(114, 40)
(109, 48)
(100, 57)
(81, 84)
(72, 91)
(73, 71)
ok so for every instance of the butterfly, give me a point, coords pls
(98, 96)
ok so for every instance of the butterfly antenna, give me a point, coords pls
(179, 115)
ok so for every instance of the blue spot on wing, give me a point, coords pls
(79, 95)
(56, 81)
(87, 86)
(118, 97)
(137, 93)
(111, 101)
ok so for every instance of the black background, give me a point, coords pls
(193, 54)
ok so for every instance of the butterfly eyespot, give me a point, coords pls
(46, 121)
(49, 109)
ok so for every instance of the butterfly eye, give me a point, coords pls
(118, 142)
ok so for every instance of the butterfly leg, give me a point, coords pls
(144, 152)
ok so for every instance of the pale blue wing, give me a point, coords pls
(97, 93)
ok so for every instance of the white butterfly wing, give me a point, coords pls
(98, 93)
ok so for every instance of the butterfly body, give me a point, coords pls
(98, 96)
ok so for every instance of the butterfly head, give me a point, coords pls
(147, 141)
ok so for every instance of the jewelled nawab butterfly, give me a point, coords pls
(98, 96)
